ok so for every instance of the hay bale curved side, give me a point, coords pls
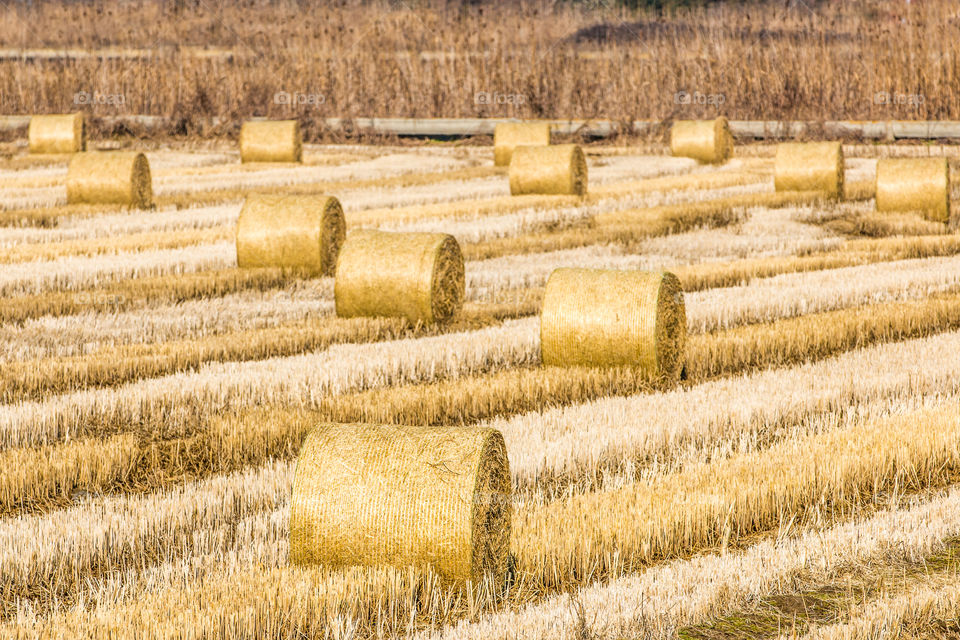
(558, 169)
(704, 140)
(57, 133)
(271, 141)
(296, 232)
(417, 276)
(809, 166)
(914, 184)
(110, 177)
(509, 135)
(605, 318)
(402, 496)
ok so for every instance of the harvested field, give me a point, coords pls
(154, 397)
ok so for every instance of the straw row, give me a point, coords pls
(789, 295)
(73, 273)
(658, 602)
(383, 166)
(72, 335)
(928, 608)
(96, 229)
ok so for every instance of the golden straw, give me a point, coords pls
(417, 276)
(403, 496)
(605, 318)
(300, 232)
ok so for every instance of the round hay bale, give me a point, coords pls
(271, 141)
(509, 135)
(296, 232)
(403, 496)
(110, 177)
(57, 133)
(558, 169)
(914, 184)
(703, 140)
(417, 276)
(604, 318)
(809, 166)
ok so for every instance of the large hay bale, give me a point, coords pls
(509, 135)
(703, 140)
(810, 166)
(57, 133)
(402, 496)
(110, 177)
(604, 318)
(271, 141)
(296, 232)
(417, 276)
(558, 169)
(914, 184)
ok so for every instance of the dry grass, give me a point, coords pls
(768, 61)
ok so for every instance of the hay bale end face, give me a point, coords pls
(271, 141)
(555, 170)
(509, 135)
(707, 141)
(810, 166)
(417, 276)
(110, 177)
(914, 184)
(366, 495)
(295, 232)
(57, 133)
(604, 318)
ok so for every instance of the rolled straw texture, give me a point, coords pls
(809, 166)
(703, 140)
(604, 318)
(509, 135)
(57, 133)
(110, 177)
(558, 169)
(417, 276)
(914, 184)
(271, 141)
(403, 496)
(295, 232)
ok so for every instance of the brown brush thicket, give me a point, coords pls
(190, 62)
